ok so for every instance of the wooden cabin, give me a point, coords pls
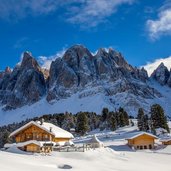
(37, 136)
(141, 140)
(166, 141)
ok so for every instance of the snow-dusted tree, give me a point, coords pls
(140, 119)
(68, 121)
(158, 118)
(93, 120)
(113, 121)
(104, 115)
(123, 117)
(146, 123)
(82, 123)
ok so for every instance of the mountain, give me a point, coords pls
(162, 75)
(80, 81)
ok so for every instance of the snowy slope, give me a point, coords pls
(166, 99)
(91, 100)
(116, 156)
(77, 82)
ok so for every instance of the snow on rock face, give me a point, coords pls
(81, 75)
(24, 85)
(161, 74)
(169, 80)
(79, 69)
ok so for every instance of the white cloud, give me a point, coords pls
(18, 9)
(93, 12)
(151, 66)
(45, 62)
(85, 12)
(162, 25)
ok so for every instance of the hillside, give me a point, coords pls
(80, 81)
(115, 156)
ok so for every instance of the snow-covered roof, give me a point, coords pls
(48, 127)
(22, 144)
(165, 139)
(137, 134)
(94, 139)
(57, 131)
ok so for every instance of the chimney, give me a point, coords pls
(41, 121)
(50, 129)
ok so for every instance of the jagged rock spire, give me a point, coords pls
(161, 74)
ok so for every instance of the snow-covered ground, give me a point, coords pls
(90, 99)
(116, 156)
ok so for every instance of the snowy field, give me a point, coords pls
(116, 156)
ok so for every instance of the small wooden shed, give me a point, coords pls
(166, 141)
(141, 140)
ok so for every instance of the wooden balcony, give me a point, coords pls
(32, 136)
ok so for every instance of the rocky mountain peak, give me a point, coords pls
(77, 50)
(24, 85)
(161, 74)
(8, 70)
(29, 61)
(102, 52)
(78, 72)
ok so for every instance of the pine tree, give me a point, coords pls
(123, 118)
(113, 122)
(140, 119)
(105, 113)
(145, 123)
(68, 121)
(82, 123)
(104, 119)
(5, 137)
(126, 117)
(158, 118)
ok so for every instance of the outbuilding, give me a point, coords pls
(94, 142)
(141, 140)
(166, 141)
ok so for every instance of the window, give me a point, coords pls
(141, 147)
(145, 147)
(138, 147)
(46, 137)
(150, 146)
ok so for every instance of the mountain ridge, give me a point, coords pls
(105, 76)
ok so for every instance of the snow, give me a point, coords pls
(94, 140)
(55, 130)
(16, 150)
(72, 104)
(92, 100)
(23, 144)
(59, 132)
(139, 133)
(116, 156)
(164, 101)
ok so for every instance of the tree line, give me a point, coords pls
(154, 120)
(82, 122)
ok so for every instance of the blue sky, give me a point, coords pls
(139, 29)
